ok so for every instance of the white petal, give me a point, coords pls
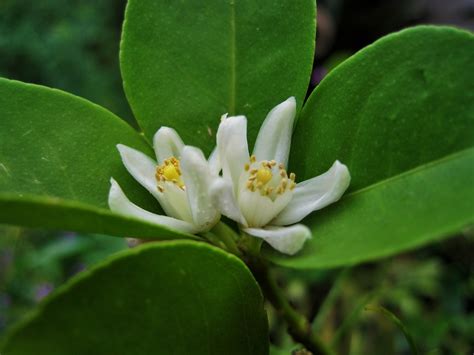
(214, 162)
(174, 201)
(120, 204)
(233, 148)
(167, 144)
(140, 166)
(259, 210)
(222, 195)
(274, 138)
(315, 193)
(197, 179)
(287, 240)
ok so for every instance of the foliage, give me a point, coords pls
(404, 128)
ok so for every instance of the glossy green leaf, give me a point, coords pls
(409, 210)
(57, 154)
(406, 102)
(401, 102)
(180, 298)
(185, 63)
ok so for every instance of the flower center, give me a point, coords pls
(264, 175)
(268, 178)
(169, 171)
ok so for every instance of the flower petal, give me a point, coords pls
(233, 147)
(120, 204)
(197, 179)
(287, 240)
(214, 162)
(314, 194)
(167, 144)
(257, 209)
(222, 195)
(274, 138)
(140, 166)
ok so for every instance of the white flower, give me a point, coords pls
(258, 193)
(179, 181)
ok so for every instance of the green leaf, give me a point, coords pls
(56, 158)
(400, 114)
(404, 101)
(54, 213)
(161, 298)
(426, 204)
(185, 63)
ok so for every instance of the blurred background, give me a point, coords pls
(427, 295)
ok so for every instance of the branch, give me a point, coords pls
(298, 326)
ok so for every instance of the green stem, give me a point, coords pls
(298, 326)
(226, 236)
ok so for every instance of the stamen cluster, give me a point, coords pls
(268, 178)
(169, 171)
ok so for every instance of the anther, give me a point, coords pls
(253, 159)
(292, 176)
(247, 167)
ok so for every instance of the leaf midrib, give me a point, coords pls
(232, 60)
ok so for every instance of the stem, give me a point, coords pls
(298, 326)
(224, 237)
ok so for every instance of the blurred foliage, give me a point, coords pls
(430, 290)
(33, 263)
(71, 46)
(74, 46)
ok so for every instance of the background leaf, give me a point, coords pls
(405, 102)
(181, 298)
(184, 64)
(404, 212)
(401, 102)
(57, 155)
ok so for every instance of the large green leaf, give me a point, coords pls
(406, 211)
(162, 298)
(403, 101)
(185, 63)
(400, 104)
(57, 155)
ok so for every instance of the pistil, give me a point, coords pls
(169, 171)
